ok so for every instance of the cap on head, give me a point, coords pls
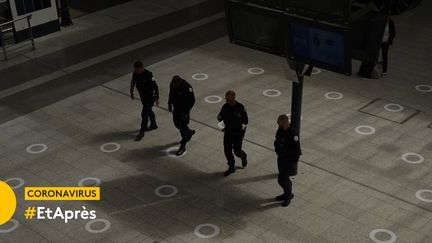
(283, 121)
(230, 97)
(177, 81)
(138, 64)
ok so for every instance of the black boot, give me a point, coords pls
(229, 171)
(244, 161)
(181, 151)
(283, 197)
(152, 127)
(139, 136)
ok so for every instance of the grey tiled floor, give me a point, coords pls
(348, 184)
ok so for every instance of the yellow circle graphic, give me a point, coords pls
(7, 203)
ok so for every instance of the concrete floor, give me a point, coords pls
(351, 187)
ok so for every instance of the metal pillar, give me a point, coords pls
(296, 101)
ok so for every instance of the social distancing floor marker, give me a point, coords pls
(84, 182)
(37, 148)
(365, 130)
(393, 107)
(412, 158)
(420, 195)
(213, 99)
(383, 232)
(110, 147)
(106, 223)
(13, 227)
(17, 186)
(424, 88)
(255, 71)
(200, 228)
(333, 95)
(272, 93)
(200, 76)
(173, 189)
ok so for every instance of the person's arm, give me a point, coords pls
(170, 98)
(221, 115)
(392, 30)
(245, 119)
(132, 87)
(156, 91)
(276, 143)
(191, 98)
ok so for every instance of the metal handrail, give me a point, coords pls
(30, 28)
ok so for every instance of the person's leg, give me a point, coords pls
(228, 147)
(283, 177)
(384, 52)
(179, 123)
(237, 144)
(152, 117)
(144, 118)
(144, 121)
(184, 133)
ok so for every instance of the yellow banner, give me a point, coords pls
(62, 193)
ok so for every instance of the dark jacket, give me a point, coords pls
(146, 85)
(233, 116)
(181, 98)
(287, 143)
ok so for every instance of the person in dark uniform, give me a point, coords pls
(235, 118)
(287, 147)
(149, 95)
(180, 103)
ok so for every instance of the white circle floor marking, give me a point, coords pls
(361, 130)
(20, 182)
(198, 229)
(42, 148)
(316, 71)
(333, 95)
(406, 157)
(391, 235)
(221, 125)
(393, 107)
(213, 99)
(255, 71)
(424, 88)
(419, 195)
(104, 149)
(170, 151)
(97, 231)
(15, 225)
(200, 76)
(272, 93)
(173, 192)
(82, 183)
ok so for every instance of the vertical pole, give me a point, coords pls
(296, 101)
(2, 42)
(30, 31)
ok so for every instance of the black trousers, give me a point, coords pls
(384, 52)
(233, 140)
(287, 166)
(146, 115)
(181, 122)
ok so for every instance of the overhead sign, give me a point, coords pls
(319, 45)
